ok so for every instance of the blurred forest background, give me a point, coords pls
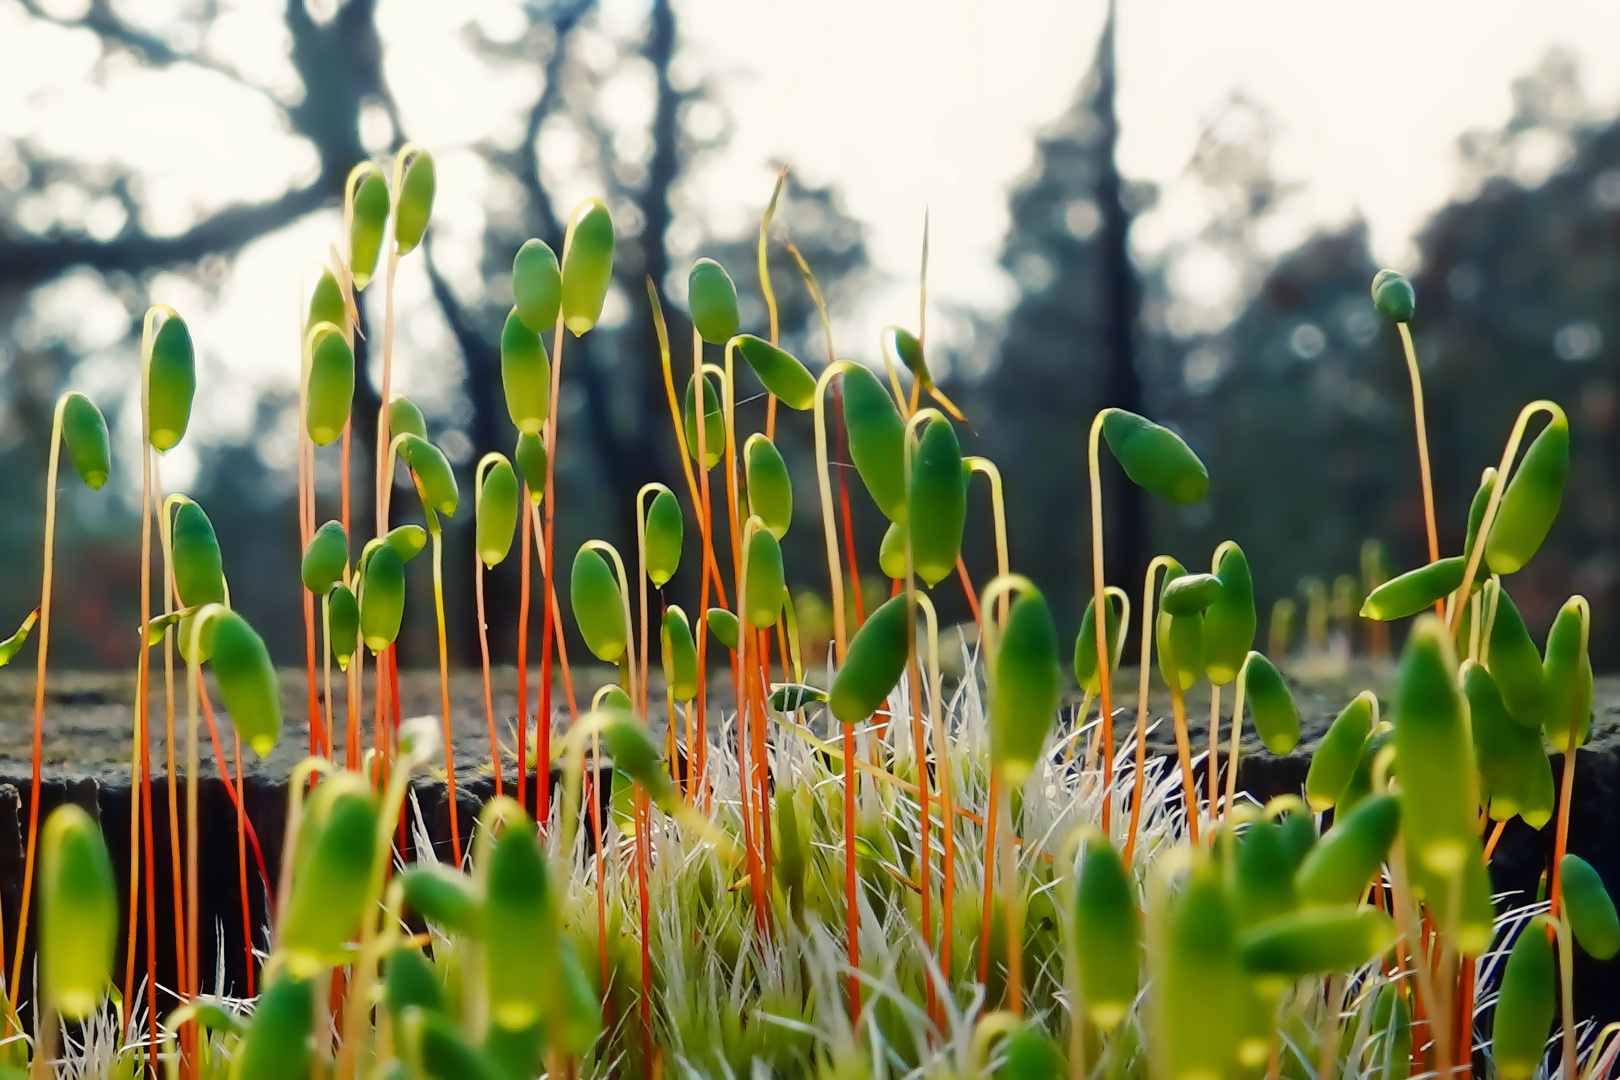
(1294, 393)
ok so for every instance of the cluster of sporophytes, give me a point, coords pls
(867, 878)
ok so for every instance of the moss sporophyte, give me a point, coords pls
(879, 849)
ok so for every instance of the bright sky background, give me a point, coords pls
(929, 103)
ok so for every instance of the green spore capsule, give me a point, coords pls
(1028, 682)
(530, 455)
(723, 625)
(1339, 868)
(1589, 908)
(788, 697)
(1108, 934)
(873, 664)
(1299, 835)
(1180, 639)
(714, 422)
(410, 981)
(587, 265)
(892, 551)
(326, 304)
(247, 681)
(1155, 457)
(1028, 1053)
(1317, 940)
(614, 697)
(1230, 619)
(634, 754)
(574, 1018)
(876, 441)
(497, 513)
(782, 373)
(1189, 594)
(910, 351)
(382, 599)
(1434, 753)
(521, 927)
(343, 613)
(712, 297)
(1526, 1004)
(1415, 591)
(1085, 645)
(1516, 665)
(333, 876)
(537, 285)
(679, 654)
(1200, 982)
(1531, 500)
(435, 1049)
(1392, 295)
(1567, 672)
(938, 503)
(78, 912)
(1476, 509)
(280, 1041)
(1514, 774)
(525, 375)
(171, 384)
(1276, 717)
(766, 586)
(1339, 752)
(770, 492)
(199, 574)
(1263, 874)
(325, 558)
(404, 418)
(415, 202)
(443, 897)
(665, 533)
(598, 606)
(432, 468)
(407, 541)
(331, 385)
(366, 225)
(84, 430)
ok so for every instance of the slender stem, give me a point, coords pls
(483, 652)
(176, 881)
(1154, 566)
(1566, 985)
(835, 576)
(1212, 761)
(39, 702)
(304, 447)
(942, 765)
(1014, 905)
(1189, 787)
(241, 865)
(193, 764)
(523, 655)
(1235, 742)
(1332, 1007)
(1423, 450)
(437, 534)
(551, 623)
(1099, 600)
(484, 465)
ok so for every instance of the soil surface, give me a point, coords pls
(87, 746)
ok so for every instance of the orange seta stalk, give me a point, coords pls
(523, 659)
